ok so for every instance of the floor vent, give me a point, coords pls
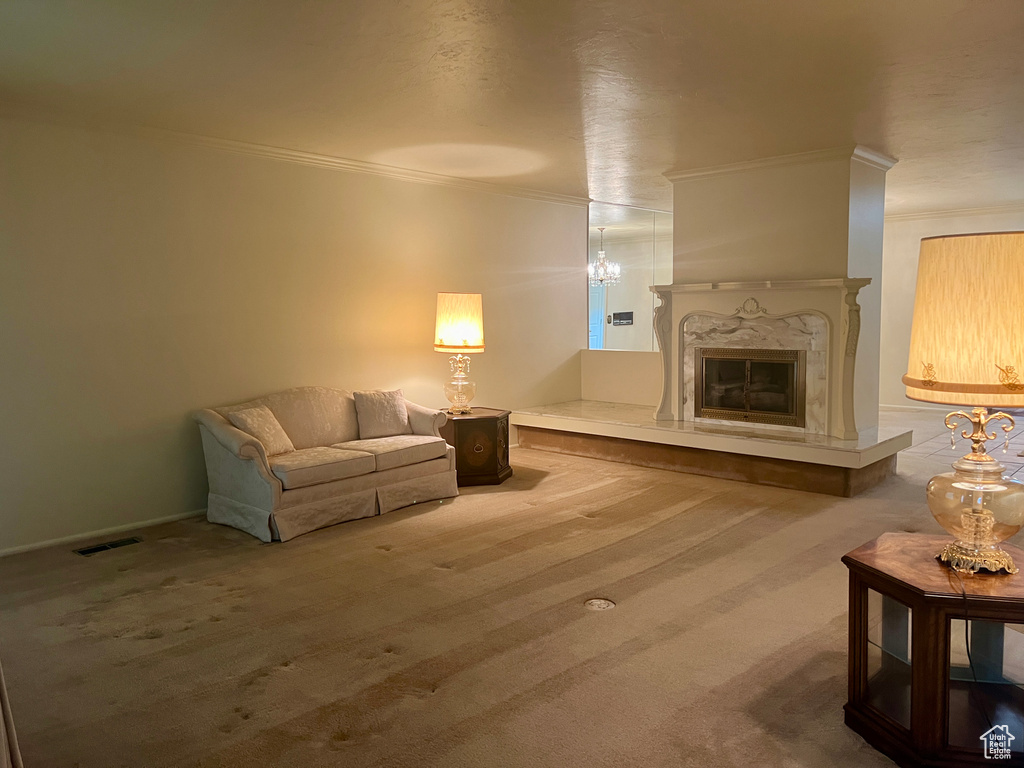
(86, 551)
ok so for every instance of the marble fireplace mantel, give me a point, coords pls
(833, 300)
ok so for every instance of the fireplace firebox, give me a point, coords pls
(763, 386)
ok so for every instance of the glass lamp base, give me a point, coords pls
(966, 559)
(975, 503)
(459, 392)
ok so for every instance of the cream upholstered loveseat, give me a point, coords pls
(319, 460)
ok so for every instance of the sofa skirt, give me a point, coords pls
(292, 521)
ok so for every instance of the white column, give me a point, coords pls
(816, 215)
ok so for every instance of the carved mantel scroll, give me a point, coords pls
(852, 337)
(853, 322)
(663, 332)
(751, 308)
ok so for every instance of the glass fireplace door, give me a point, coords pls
(765, 386)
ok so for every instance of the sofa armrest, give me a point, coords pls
(236, 463)
(241, 444)
(425, 421)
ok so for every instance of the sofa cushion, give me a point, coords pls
(261, 423)
(310, 466)
(381, 414)
(399, 450)
(311, 416)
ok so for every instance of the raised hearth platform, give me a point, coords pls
(629, 434)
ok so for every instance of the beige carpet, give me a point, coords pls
(455, 634)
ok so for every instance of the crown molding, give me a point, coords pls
(632, 207)
(648, 238)
(291, 156)
(870, 157)
(862, 154)
(957, 212)
(359, 166)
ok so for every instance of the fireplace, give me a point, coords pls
(761, 386)
(819, 317)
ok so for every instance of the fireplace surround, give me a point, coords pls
(819, 317)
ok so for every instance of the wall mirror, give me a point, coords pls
(621, 316)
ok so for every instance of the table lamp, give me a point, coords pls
(966, 346)
(459, 330)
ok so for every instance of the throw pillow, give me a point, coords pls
(381, 414)
(261, 423)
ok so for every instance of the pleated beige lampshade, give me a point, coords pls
(460, 323)
(967, 338)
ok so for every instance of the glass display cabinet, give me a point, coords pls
(936, 665)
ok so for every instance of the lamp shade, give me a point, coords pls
(460, 323)
(967, 337)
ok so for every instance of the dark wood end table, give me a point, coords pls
(480, 439)
(936, 669)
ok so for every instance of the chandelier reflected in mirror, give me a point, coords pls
(602, 271)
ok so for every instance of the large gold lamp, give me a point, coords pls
(459, 330)
(967, 348)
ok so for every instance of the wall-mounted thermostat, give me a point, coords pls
(622, 318)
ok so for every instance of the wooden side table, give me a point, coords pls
(480, 439)
(918, 691)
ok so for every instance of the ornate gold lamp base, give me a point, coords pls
(975, 503)
(968, 560)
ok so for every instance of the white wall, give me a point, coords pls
(866, 227)
(645, 262)
(144, 279)
(621, 376)
(631, 294)
(900, 251)
(776, 222)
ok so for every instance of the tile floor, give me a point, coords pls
(931, 438)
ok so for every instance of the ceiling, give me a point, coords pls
(593, 99)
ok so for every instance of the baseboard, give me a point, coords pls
(918, 407)
(102, 532)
